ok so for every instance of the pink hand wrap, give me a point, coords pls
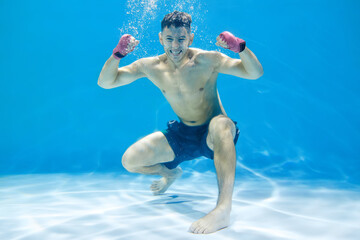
(121, 50)
(234, 44)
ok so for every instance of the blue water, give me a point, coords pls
(299, 122)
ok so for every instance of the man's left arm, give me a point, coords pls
(248, 66)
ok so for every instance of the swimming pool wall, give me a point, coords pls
(300, 120)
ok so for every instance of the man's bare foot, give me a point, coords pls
(160, 186)
(213, 221)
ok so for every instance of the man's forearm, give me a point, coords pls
(251, 63)
(108, 73)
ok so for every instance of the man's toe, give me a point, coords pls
(193, 227)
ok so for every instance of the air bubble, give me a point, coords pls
(143, 16)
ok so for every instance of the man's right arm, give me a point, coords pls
(111, 76)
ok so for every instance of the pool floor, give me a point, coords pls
(115, 206)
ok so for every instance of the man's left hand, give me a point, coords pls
(228, 41)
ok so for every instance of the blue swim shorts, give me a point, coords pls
(188, 142)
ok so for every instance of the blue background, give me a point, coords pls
(300, 120)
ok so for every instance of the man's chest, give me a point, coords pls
(187, 80)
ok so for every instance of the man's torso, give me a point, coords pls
(190, 88)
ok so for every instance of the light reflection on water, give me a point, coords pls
(109, 206)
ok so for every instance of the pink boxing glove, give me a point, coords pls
(126, 44)
(229, 41)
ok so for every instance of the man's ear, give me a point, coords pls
(160, 38)
(191, 39)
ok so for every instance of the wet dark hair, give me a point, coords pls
(177, 19)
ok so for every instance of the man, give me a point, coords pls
(187, 78)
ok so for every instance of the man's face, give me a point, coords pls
(176, 42)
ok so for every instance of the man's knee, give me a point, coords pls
(132, 158)
(126, 160)
(221, 127)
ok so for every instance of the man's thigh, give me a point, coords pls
(149, 150)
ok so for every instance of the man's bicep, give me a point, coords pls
(129, 73)
(230, 66)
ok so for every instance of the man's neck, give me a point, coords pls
(181, 63)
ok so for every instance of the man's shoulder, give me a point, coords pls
(150, 60)
(201, 55)
(196, 50)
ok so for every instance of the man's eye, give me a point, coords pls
(169, 39)
(181, 40)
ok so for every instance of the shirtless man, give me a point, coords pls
(187, 78)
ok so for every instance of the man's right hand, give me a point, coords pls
(126, 45)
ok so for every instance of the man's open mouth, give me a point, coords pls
(176, 53)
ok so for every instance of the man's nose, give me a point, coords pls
(175, 44)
